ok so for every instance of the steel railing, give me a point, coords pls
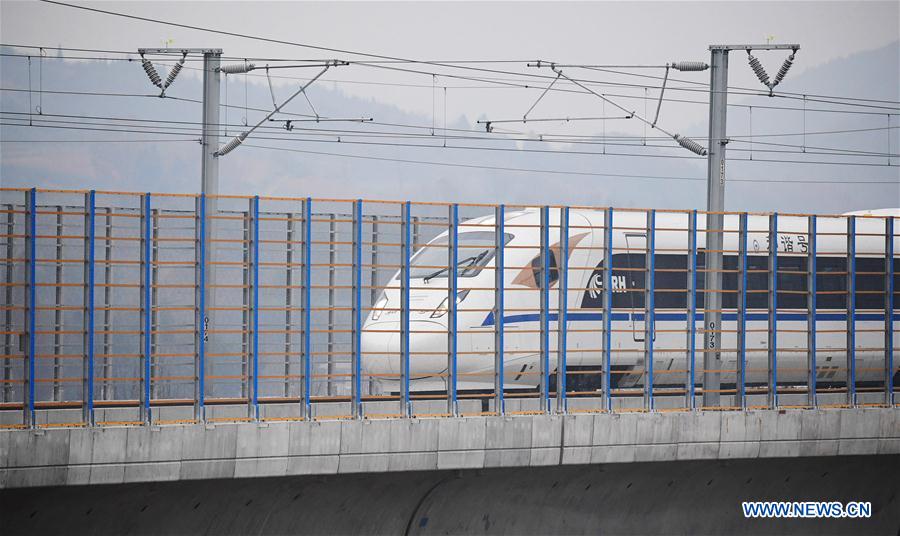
(125, 308)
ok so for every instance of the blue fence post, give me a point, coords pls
(545, 309)
(772, 394)
(87, 377)
(649, 309)
(31, 237)
(851, 310)
(741, 372)
(200, 364)
(405, 254)
(452, 279)
(356, 365)
(811, 271)
(306, 290)
(691, 324)
(606, 384)
(888, 310)
(562, 317)
(499, 323)
(254, 304)
(146, 308)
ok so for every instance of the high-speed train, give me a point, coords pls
(522, 277)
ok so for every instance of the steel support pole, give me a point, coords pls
(691, 321)
(405, 254)
(211, 127)
(715, 205)
(889, 311)
(851, 311)
(772, 383)
(811, 271)
(356, 410)
(649, 309)
(254, 306)
(606, 379)
(562, 316)
(452, 291)
(87, 375)
(201, 319)
(499, 323)
(544, 286)
(146, 308)
(306, 330)
(740, 378)
(209, 144)
(31, 249)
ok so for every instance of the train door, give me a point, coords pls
(634, 262)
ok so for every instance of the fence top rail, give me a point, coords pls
(447, 204)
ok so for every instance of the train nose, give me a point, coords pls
(381, 349)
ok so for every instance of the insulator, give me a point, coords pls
(173, 73)
(785, 67)
(690, 145)
(758, 69)
(232, 145)
(689, 66)
(151, 72)
(237, 68)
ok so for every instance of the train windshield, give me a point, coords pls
(475, 249)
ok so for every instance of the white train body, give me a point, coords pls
(475, 326)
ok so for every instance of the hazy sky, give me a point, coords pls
(847, 49)
(565, 32)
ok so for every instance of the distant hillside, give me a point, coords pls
(176, 166)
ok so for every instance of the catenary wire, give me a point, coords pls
(196, 127)
(307, 45)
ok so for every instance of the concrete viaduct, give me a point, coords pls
(659, 472)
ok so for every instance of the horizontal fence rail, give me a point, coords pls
(125, 308)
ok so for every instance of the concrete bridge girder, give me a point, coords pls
(109, 455)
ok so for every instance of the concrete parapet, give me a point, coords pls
(114, 455)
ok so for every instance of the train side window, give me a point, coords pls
(831, 282)
(869, 283)
(538, 271)
(730, 282)
(757, 279)
(701, 280)
(791, 280)
(670, 285)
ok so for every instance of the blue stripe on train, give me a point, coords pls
(672, 317)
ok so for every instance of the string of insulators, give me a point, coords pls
(758, 69)
(174, 72)
(690, 145)
(785, 67)
(689, 66)
(151, 72)
(237, 68)
(232, 145)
